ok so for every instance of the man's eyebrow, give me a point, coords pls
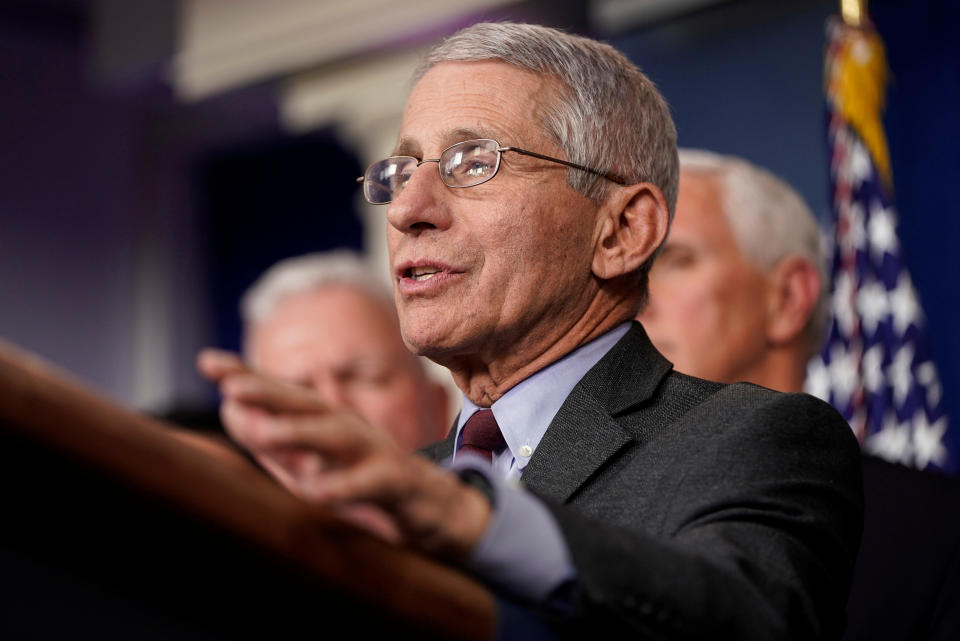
(408, 147)
(463, 133)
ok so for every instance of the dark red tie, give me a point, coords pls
(481, 435)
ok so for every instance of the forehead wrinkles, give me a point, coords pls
(457, 101)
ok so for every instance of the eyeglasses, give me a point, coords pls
(465, 164)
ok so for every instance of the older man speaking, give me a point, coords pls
(530, 188)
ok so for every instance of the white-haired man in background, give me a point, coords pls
(738, 292)
(739, 295)
(325, 321)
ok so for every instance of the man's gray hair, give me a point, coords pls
(608, 114)
(769, 221)
(306, 273)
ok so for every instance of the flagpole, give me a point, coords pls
(854, 12)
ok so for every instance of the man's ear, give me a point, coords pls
(631, 224)
(794, 288)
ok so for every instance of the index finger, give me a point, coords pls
(215, 364)
(271, 393)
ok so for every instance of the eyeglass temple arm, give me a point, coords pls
(620, 180)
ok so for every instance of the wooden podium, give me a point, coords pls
(112, 528)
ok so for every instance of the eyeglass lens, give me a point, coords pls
(464, 164)
(469, 163)
(386, 178)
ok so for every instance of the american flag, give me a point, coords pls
(875, 367)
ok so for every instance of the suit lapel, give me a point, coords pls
(585, 434)
(580, 439)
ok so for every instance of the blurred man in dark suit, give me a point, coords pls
(531, 186)
(739, 295)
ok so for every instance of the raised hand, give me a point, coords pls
(334, 457)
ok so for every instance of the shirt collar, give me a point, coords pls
(524, 413)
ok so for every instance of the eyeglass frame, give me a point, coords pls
(616, 178)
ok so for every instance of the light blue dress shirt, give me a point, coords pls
(522, 549)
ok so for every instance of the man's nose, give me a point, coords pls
(420, 205)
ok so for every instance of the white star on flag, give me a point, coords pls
(892, 442)
(861, 166)
(873, 305)
(904, 305)
(843, 374)
(927, 377)
(818, 378)
(882, 231)
(855, 237)
(928, 440)
(872, 368)
(841, 303)
(900, 373)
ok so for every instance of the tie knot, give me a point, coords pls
(481, 435)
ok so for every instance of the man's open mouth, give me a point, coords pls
(422, 273)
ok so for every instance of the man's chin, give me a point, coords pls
(426, 341)
(435, 351)
(440, 349)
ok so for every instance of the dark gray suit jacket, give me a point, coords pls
(698, 510)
